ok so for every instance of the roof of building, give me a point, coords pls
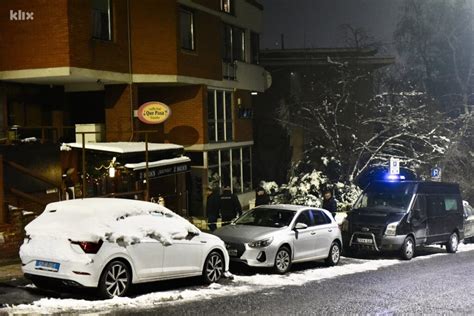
(125, 147)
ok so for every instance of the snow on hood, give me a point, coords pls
(97, 219)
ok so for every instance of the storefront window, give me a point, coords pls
(219, 117)
(231, 167)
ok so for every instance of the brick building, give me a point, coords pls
(70, 62)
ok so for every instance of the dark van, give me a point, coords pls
(398, 216)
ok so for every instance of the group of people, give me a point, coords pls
(226, 205)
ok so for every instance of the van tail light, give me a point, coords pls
(88, 247)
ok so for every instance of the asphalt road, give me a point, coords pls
(441, 284)
(438, 284)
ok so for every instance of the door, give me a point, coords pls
(305, 239)
(324, 232)
(147, 256)
(444, 216)
(184, 256)
(419, 220)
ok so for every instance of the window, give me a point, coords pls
(320, 218)
(226, 167)
(219, 116)
(233, 44)
(227, 6)
(450, 204)
(305, 218)
(101, 20)
(254, 47)
(186, 29)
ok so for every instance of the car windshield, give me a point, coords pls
(267, 217)
(386, 196)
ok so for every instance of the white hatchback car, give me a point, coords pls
(278, 235)
(111, 243)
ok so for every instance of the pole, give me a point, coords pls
(147, 192)
(83, 165)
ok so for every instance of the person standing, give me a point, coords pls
(261, 196)
(229, 205)
(212, 207)
(329, 203)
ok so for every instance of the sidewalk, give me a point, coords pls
(10, 270)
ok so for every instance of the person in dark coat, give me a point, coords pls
(229, 205)
(261, 197)
(212, 207)
(329, 203)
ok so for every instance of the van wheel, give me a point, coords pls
(334, 255)
(408, 248)
(452, 244)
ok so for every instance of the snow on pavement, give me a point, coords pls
(240, 284)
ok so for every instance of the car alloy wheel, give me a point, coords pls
(213, 267)
(453, 242)
(115, 279)
(282, 260)
(334, 254)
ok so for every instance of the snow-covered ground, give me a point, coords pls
(240, 284)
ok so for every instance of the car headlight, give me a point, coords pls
(261, 243)
(391, 229)
(345, 225)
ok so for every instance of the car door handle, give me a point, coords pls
(313, 233)
(329, 230)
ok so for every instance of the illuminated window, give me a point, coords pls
(227, 6)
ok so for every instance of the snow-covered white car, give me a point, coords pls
(110, 244)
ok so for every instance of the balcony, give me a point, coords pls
(246, 76)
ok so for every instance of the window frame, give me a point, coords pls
(225, 120)
(229, 47)
(109, 20)
(192, 30)
(231, 5)
(232, 163)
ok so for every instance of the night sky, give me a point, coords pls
(321, 20)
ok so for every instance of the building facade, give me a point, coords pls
(70, 62)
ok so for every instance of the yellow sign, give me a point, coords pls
(153, 112)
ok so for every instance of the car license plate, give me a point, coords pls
(232, 252)
(364, 240)
(47, 265)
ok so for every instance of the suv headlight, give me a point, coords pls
(391, 229)
(261, 243)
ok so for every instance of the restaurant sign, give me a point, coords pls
(164, 171)
(153, 112)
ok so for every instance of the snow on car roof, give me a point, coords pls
(125, 147)
(95, 219)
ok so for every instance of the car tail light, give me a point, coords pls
(88, 247)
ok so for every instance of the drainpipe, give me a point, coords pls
(129, 36)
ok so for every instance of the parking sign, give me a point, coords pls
(436, 174)
(394, 165)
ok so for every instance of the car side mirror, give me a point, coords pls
(299, 226)
(191, 235)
